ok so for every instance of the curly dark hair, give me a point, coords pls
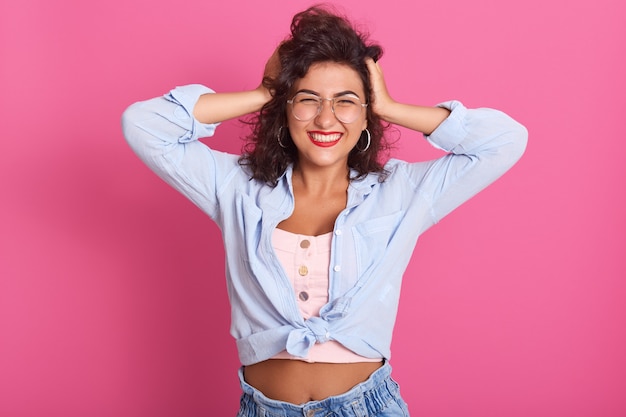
(317, 35)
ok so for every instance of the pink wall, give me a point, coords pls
(512, 306)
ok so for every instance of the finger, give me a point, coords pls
(371, 65)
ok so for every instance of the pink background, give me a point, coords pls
(112, 292)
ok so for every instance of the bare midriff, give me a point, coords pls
(298, 382)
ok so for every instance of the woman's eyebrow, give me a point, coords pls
(346, 93)
(308, 92)
(315, 93)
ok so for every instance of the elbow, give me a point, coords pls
(136, 124)
(130, 117)
(519, 140)
(513, 146)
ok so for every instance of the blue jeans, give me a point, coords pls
(378, 396)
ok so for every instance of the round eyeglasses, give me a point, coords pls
(346, 108)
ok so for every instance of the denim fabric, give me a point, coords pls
(379, 396)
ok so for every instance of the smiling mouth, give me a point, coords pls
(324, 139)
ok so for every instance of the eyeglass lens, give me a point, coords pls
(346, 108)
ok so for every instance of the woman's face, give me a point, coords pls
(324, 140)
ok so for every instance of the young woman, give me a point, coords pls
(317, 229)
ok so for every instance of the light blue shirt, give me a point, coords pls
(373, 237)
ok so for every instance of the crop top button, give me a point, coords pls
(303, 295)
(305, 244)
(303, 270)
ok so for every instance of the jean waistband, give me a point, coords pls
(367, 398)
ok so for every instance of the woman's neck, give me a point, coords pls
(321, 181)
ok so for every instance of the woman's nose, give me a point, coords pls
(326, 116)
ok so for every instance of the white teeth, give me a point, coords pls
(325, 138)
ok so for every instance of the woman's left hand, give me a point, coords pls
(381, 100)
(419, 118)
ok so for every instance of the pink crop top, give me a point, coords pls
(306, 260)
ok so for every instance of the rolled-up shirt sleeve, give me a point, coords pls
(164, 134)
(482, 143)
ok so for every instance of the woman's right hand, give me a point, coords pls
(271, 71)
(218, 107)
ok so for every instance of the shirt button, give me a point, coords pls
(337, 268)
(338, 232)
(303, 296)
(305, 244)
(303, 270)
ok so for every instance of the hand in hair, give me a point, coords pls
(381, 100)
(423, 119)
(271, 71)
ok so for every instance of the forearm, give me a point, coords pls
(218, 107)
(419, 118)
